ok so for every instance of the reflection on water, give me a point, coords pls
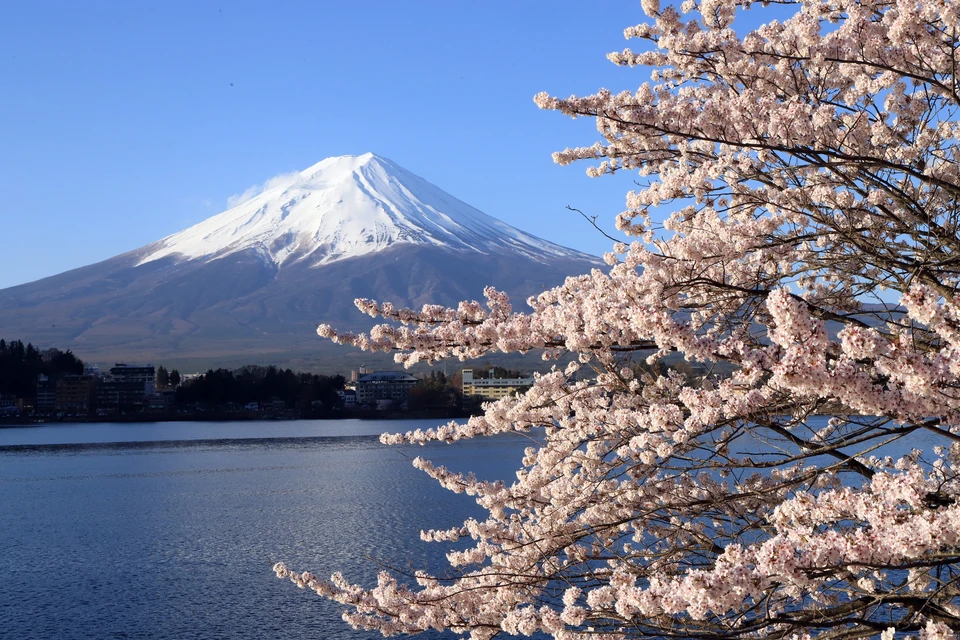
(65, 433)
(177, 446)
(176, 539)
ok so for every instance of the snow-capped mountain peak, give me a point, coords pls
(345, 207)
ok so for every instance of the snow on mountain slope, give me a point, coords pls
(345, 207)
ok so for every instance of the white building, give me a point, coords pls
(384, 385)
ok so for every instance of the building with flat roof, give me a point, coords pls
(126, 388)
(75, 394)
(356, 373)
(46, 393)
(492, 388)
(373, 387)
(145, 375)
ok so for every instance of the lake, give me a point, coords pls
(170, 530)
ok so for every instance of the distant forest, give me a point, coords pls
(255, 383)
(20, 365)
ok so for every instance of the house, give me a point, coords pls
(10, 405)
(349, 397)
(274, 404)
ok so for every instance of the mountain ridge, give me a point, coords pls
(346, 207)
(244, 296)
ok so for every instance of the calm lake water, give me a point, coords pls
(170, 530)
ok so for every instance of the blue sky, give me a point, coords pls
(124, 122)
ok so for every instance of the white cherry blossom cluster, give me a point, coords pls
(681, 480)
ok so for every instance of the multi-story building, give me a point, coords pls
(46, 393)
(126, 388)
(145, 375)
(356, 373)
(160, 400)
(377, 386)
(492, 388)
(75, 394)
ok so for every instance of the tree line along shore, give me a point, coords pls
(51, 385)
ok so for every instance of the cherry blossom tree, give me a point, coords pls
(810, 169)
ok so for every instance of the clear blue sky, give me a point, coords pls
(124, 122)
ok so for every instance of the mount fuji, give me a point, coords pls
(249, 284)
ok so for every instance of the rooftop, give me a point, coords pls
(386, 376)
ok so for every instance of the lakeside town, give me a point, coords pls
(52, 385)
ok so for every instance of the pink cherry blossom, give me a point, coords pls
(794, 251)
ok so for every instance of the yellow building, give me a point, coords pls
(492, 388)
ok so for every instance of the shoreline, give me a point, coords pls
(242, 416)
